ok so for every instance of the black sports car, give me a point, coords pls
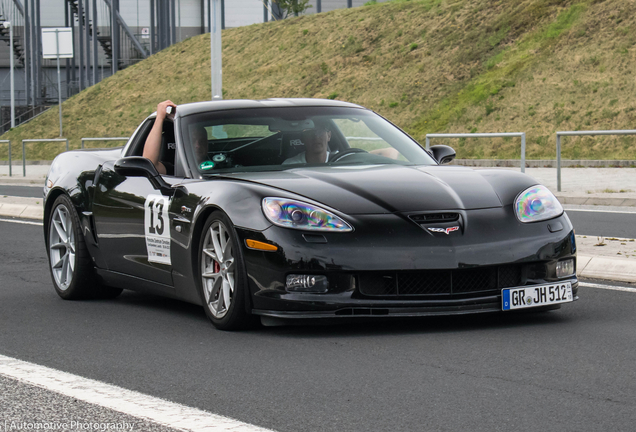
(303, 208)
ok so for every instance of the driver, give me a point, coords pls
(316, 142)
(152, 146)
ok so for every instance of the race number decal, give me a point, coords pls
(157, 228)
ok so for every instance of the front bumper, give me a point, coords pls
(474, 266)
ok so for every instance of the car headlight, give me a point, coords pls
(299, 215)
(536, 204)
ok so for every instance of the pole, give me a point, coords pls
(558, 139)
(179, 6)
(349, 3)
(114, 34)
(38, 52)
(173, 22)
(73, 64)
(216, 62)
(265, 17)
(67, 65)
(88, 43)
(95, 52)
(152, 27)
(318, 6)
(222, 14)
(80, 17)
(59, 79)
(12, 78)
(202, 16)
(523, 152)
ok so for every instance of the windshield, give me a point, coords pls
(263, 139)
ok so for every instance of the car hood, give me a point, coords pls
(375, 189)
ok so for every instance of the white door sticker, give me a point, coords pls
(157, 228)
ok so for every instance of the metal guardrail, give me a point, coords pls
(104, 139)
(582, 133)
(9, 142)
(522, 135)
(24, 141)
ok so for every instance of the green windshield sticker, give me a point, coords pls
(206, 165)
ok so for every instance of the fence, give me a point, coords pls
(522, 135)
(8, 142)
(582, 133)
(24, 141)
(104, 139)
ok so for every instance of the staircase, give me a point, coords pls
(106, 41)
(18, 49)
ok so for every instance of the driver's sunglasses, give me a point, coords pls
(313, 133)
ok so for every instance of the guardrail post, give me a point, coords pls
(66, 144)
(428, 143)
(23, 160)
(82, 145)
(523, 152)
(8, 142)
(558, 139)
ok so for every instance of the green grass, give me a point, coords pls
(534, 66)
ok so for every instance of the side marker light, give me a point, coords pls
(257, 245)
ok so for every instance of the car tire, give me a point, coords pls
(222, 278)
(70, 263)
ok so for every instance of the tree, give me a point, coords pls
(281, 9)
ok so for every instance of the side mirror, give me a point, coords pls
(137, 166)
(444, 154)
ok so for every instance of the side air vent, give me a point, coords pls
(434, 217)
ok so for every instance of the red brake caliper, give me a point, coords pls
(217, 267)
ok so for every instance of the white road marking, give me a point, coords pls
(21, 222)
(599, 211)
(129, 402)
(607, 287)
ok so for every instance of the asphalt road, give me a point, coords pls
(22, 191)
(571, 369)
(600, 223)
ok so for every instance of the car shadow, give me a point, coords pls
(345, 327)
(418, 325)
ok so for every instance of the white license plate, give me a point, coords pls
(533, 296)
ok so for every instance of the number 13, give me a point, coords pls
(159, 207)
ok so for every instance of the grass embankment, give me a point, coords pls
(534, 66)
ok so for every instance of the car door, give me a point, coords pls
(132, 219)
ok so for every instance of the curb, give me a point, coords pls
(599, 201)
(545, 163)
(24, 211)
(599, 267)
(22, 181)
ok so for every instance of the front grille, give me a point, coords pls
(434, 217)
(440, 282)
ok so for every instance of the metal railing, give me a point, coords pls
(104, 139)
(24, 141)
(9, 142)
(582, 133)
(522, 135)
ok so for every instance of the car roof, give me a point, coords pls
(220, 105)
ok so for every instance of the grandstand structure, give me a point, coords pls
(109, 35)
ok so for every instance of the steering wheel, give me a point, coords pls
(346, 153)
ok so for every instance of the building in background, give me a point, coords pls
(126, 30)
